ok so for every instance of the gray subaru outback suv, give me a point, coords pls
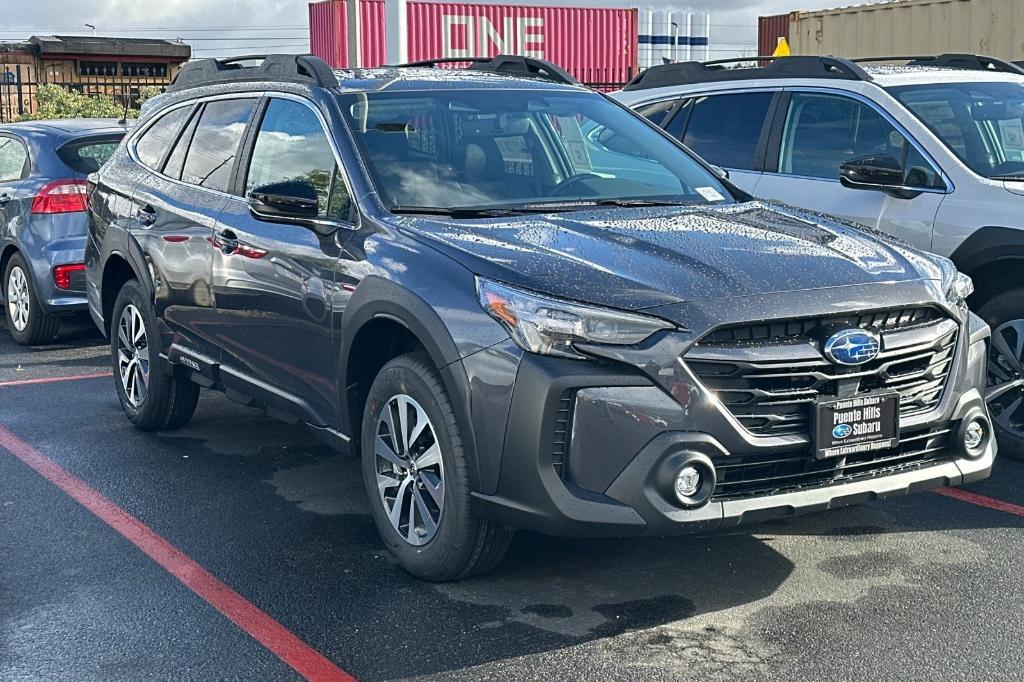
(438, 271)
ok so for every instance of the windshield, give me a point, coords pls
(979, 122)
(489, 150)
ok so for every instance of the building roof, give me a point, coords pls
(102, 46)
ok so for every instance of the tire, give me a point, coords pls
(460, 544)
(1004, 312)
(26, 321)
(153, 400)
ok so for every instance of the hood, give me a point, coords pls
(633, 258)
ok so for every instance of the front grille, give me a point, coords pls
(770, 474)
(563, 430)
(778, 330)
(776, 396)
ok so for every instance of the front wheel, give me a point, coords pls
(152, 399)
(416, 476)
(1005, 314)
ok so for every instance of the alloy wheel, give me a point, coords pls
(133, 355)
(18, 301)
(410, 470)
(1006, 377)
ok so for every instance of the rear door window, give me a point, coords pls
(158, 138)
(86, 156)
(13, 158)
(215, 144)
(726, 129)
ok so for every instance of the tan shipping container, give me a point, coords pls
(912, 27)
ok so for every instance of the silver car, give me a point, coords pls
(930, 150)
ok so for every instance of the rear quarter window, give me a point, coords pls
(86, 156)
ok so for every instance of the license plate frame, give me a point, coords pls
(872, 424)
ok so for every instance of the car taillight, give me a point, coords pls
(61, 196)
(62, 274)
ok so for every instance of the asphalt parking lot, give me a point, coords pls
(252, 556)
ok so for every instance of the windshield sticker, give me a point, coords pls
(710, 194)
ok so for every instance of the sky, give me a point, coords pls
(217, 28)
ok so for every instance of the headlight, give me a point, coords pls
(955, 285)
(550, 326)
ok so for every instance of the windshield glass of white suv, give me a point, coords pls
(484, 150)
(980, 122)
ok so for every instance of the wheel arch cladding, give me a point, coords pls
(992, 256)
(383, 320)
(116, 272)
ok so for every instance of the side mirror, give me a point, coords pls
(879, 172)
(289, 201)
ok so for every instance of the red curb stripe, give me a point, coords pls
(52, 380)
(283, 643)
(982, 501)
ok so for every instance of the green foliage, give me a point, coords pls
(53, 101)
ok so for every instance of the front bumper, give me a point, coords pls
(589, 447)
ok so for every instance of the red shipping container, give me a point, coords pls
(595, 45)
(769, 30)
(328, 32)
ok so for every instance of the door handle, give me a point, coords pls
(146, 215)
(226, 241)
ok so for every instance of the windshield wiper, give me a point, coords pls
(1008, 178)
(583, 204)
(456, 212)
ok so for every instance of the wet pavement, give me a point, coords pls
(923, 587)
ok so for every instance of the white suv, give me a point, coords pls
(930, 150)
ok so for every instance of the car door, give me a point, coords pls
(190, 151)
(14, 162)
(273, 280)
(818, 131)
(728, 130)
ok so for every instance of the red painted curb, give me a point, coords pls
(53, 380)
(982, 501)
(301, 657)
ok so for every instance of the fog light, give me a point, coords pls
(687, 482)
(974, 435)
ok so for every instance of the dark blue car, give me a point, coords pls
(43, 169)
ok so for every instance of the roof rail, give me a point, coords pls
(293, 68)
(511, 64)
(973, 62)
(685, 73)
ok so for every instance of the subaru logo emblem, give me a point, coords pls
(852, 347)
(842, 431)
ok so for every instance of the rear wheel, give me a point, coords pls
(1005, 314)
(151, 398)
(26, 321)
(416, 476)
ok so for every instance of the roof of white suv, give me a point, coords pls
(893, 76)
(882, 71)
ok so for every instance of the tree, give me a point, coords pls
(54, 101)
